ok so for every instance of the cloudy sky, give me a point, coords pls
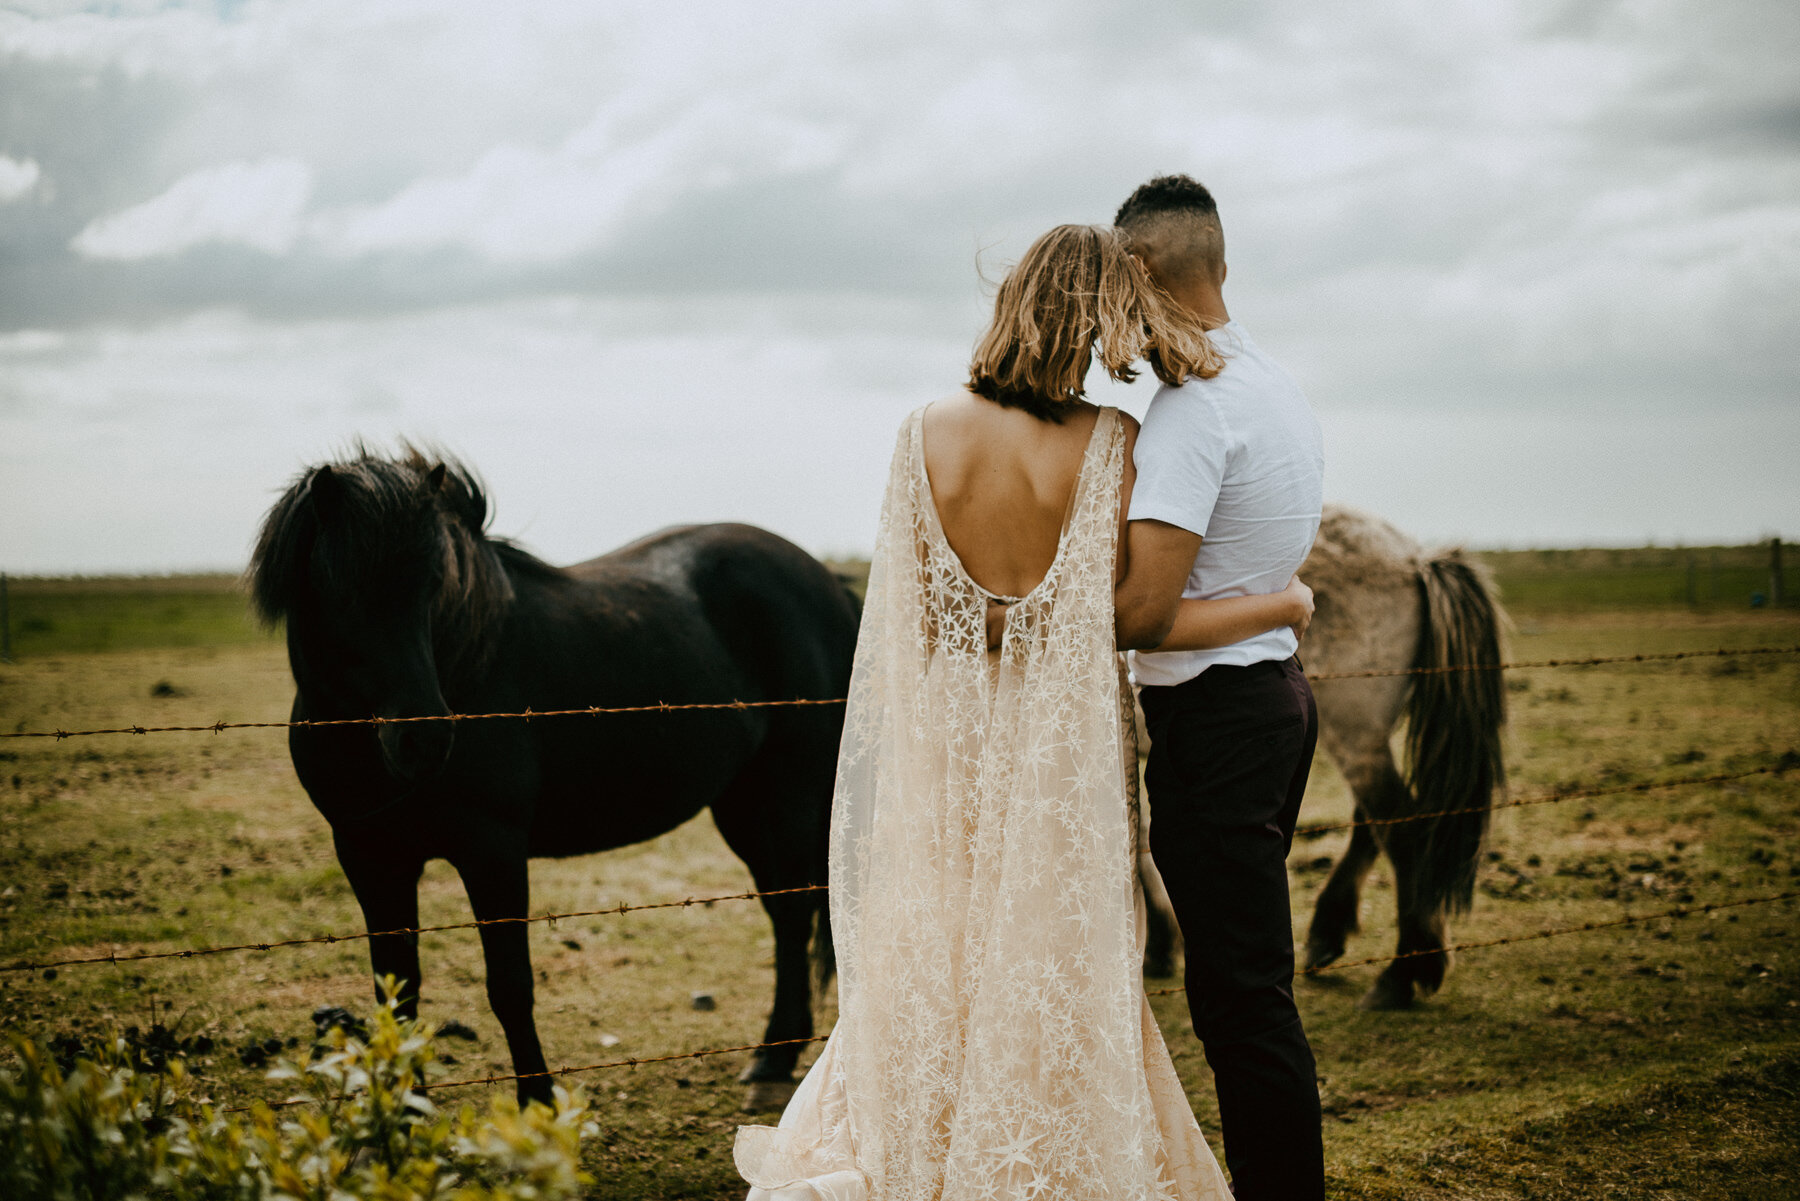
(640, 263)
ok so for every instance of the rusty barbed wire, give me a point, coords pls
(1592, 661)
(529, 919)
(1788, 762)
(1681, 911)
(1630, 919)
(219, 727)
(629, 1062)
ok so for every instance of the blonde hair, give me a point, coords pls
(1076, 295)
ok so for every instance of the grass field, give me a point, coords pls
(1713, 579)
(123, 613)
(1660, 1060)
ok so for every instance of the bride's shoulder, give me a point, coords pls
(1130, 426)
(961, 405)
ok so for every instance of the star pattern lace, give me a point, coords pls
(993, 1040)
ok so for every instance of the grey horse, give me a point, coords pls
(1384, 603)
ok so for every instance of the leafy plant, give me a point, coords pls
(362, 1127)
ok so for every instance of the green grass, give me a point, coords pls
(1652, 1061)
(54, 616)
(1716, 578)
(116, 613)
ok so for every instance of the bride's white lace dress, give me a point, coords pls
(993, 1039)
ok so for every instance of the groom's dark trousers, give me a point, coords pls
(1230, 751)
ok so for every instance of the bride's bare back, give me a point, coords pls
(1001, 480)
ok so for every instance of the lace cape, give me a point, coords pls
(993, 1039)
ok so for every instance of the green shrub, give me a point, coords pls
(105, 1130)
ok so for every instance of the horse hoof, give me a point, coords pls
(1387, 995)
(1318, 954)
(765, 1095)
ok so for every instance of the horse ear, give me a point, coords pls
(434, 480)
(326, 491)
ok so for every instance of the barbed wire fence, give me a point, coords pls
(219, 727)
(635, 1061)
(1790, 760)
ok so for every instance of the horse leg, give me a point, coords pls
(499, 886)
(770, 1074)
(1355, 718)
(385, 878)
(774, 820)
(1421, 960)
(1162, 932)
(1335, 915)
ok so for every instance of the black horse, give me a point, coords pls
(397, 604)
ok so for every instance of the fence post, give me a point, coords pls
(5, 623)
(1775, 572)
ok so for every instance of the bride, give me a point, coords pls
(993, 1038)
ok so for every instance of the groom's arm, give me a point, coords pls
(1149, 611)
(1159, 558)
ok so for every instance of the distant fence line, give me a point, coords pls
(663, 707)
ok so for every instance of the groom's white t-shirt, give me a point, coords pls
(1237, 459)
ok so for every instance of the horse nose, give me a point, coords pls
(416, 750)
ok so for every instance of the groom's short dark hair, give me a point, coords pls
(1173, 222)
(1167, 194)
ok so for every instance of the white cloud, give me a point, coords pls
(17, 177)
(252, 204)
(521, 204)
(1450, 213)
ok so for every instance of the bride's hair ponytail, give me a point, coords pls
(1076, 295)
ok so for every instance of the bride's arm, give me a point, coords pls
(1149, 612)
(1122, 561)
(1204, 624)
(1155, 559)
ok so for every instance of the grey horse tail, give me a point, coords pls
(1453, 726)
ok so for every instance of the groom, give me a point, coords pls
(1229, 478)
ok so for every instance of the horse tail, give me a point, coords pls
(824, 952)
(849, 584)
(1453, 726)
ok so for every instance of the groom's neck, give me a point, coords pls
(1199, 296)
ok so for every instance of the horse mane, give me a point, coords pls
(383, 508)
